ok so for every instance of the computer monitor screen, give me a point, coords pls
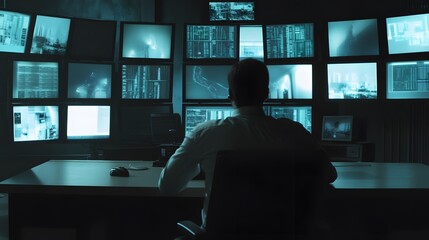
(147, 41)
(408, 34)
(251, 42)
(289, 41)
(291, 81)
(408, 80)
(211, 42)
(146, 81)
(194, 115)
(92, 39)
(337, 128)
(13, 31)
(353, 38)
(232, 11)
(88, 122)
(352, 80)
(87, 80)
(35, 123)
(206, 82)
(50, 35)
(35, 79)
(301, 114)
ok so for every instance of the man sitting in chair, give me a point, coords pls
(248, 129)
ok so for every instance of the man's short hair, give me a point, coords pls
(248, 82)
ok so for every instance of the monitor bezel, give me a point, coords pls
(326, 118)
(255, 18)
(28, 41)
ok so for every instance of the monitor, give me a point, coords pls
(147, 41)
(35, 123)
(337, 128)
(89, 80)
(294, 81)
(211, 42)
(88, 122)
(232, 11)
(408, 34)
(35, 79)
(146, 81)
(251, 42)
(194, 115)
(50, 35)
(352, 80)
(92, 39)
(206, 82)
(14, 28)
(289, 41)
(353, 38)
(408, 80)
(301, 114)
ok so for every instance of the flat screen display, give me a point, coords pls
(88, 122)
(408, 34)
(353, 38)
(87, 80)
(50, 35)
(146, 81)
(35, 79)
(206, 81)
(301, 114)
(251, 42)
(408, 80)
(211, 42)
(352, 80)
(13, 31)
(232, 11)
(291, 81)
(337, 128)
(35, 123)
(148, 41)
(195, 115)
(289, 41)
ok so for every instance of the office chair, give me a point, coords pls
(166, 128)
(263, 195)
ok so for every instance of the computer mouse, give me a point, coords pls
(119, 172)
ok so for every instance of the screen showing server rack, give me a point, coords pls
(194, 115)
(408, 80)
(232, 11)
(301, 114)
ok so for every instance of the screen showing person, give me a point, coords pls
(88, 122)
(352, 80)
(251, 42)
(232, 11)
(86, 80)
(408, 80)
(146, 81)
(211, 42)
(206, 82)
(35, 123)
(35, 79)
(408, 34)
(289, 41)
(337, 128)
(149, 41)
(13, 31)
(195, 115)
(353, 38)
(291, 81)
(50, 35)
(301, 114)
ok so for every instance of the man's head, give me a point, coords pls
(248, 83)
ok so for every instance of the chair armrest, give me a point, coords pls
(191, 229)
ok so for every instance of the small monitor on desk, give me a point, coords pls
(337, 128)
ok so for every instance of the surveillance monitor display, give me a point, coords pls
(35, 123)
(289, 41)
(291, 81)
(35, 79)
(251, 42)
(232, 11)
(353, 38)
(146, 81)
(50, 35)
(211, 42)
(352, 80)
(13, 31)
(87, 80)
(301, 114)
(194, 115)
(88, 122)
(147, 41)
(408, 80)
(206, 82)
(337, 128)
(408, 34)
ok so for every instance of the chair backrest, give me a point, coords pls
(263, 195)
(166, 128)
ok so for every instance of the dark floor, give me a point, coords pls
(4, 230)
